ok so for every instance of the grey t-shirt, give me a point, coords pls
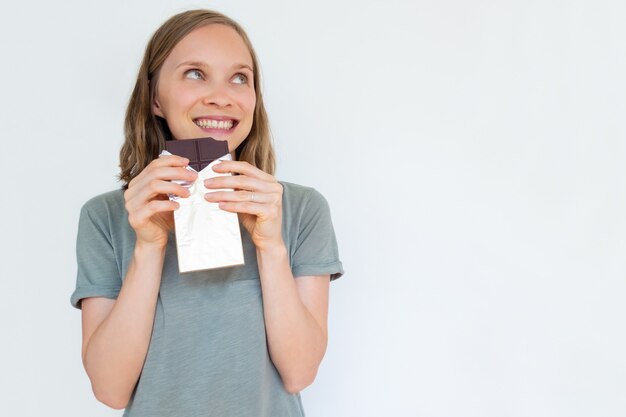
(208, 353)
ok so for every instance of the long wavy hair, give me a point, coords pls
(145, 133)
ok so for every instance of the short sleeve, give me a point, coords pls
(316, 251)
(98, 274)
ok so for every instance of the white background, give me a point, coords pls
(473, 156)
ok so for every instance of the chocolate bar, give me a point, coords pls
(200, 152)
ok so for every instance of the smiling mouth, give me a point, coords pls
(216, 124)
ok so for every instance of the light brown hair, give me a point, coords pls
(145, 133)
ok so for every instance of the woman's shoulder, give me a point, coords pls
(292, 189)
(105, 204)
(302, 199)
(300, 193)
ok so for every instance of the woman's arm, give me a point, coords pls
(296, 312)
(115, 342)
(115, 348)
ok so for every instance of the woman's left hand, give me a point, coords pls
(257, 198)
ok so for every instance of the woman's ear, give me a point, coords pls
(156, 108)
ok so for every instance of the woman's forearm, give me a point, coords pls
(296, 341)
(117, 349)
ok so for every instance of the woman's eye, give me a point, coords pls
(240, 79)
(194, 74)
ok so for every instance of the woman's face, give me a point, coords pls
(206, 87)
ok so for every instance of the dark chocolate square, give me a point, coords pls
(200, 152)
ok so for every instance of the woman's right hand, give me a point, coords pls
(150, 212)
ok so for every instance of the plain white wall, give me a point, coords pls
(473, 156)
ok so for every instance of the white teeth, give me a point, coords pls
(214, 124)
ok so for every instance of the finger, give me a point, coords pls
(142, 217)
(256, 209)
(154, 189)
(158, 187)
(170, 161)
(242, 167)
(239, 181)
(262, 211)
(170, 174)
(238, 196)
(163, 161)
(163, 173)
(242, 182)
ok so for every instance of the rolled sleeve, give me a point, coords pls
(98, 274)
(316, 251)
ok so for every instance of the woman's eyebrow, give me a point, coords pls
(203, 65)
(240, 66)
(192, 64)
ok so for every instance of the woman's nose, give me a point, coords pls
(217, 95)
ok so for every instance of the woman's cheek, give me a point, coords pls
(250, 104)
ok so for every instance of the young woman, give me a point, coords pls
(237, 341)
